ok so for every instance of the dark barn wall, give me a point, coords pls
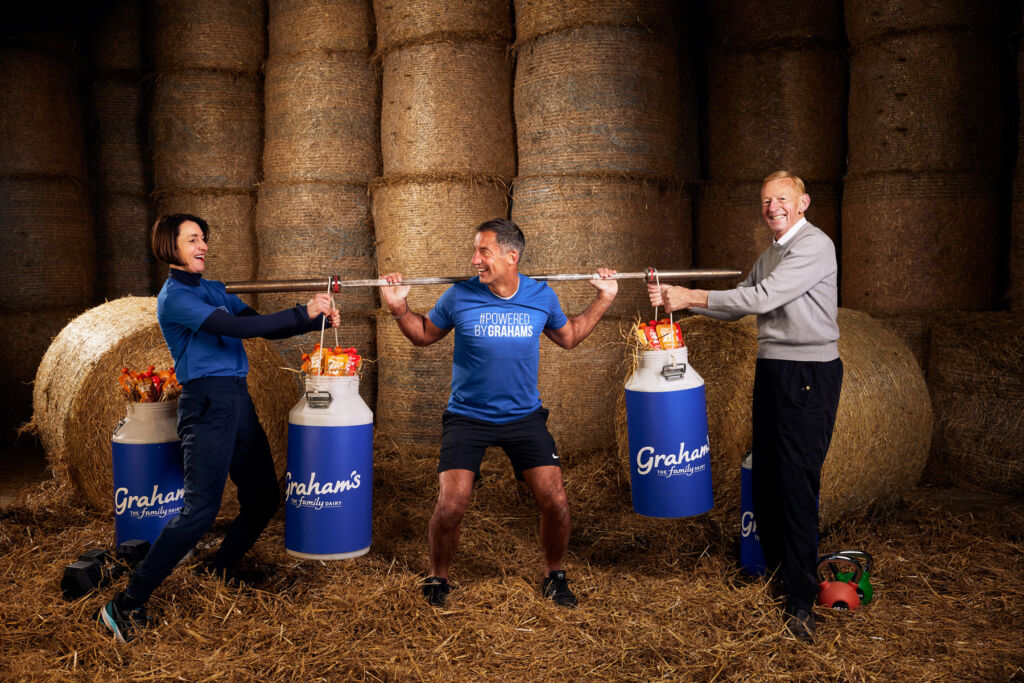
(900, 114)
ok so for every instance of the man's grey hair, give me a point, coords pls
(507, 234)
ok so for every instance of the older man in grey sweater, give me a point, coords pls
(792, 289)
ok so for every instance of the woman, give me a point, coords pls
(220, 434)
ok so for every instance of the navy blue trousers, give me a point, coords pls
(795, 405)
(220, 436)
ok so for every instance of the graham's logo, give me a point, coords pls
(303, 494)
(680, 463)
(152, 505)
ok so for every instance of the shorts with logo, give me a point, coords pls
(526, 441)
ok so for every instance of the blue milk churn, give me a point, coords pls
(669, 453)
(329, 494)
(751, 556)
(149, 490)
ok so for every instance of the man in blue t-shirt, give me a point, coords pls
(498, 318)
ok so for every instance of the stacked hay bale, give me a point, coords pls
(448, 156)
(320, 152)
(120, 158)
(1016, 269)
(601, 181)
(78, 402)
(775, 101)
(206, 122)
(883, 427)
(923, 132)
(976, 379)
(45, 213)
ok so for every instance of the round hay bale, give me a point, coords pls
(1016, 264)
(116, 36)
(296, 26)
(413, 385)
(207, 130)
(805, 128)
(575, 225)
(40, 116)
(49, 221)
(914, 330)
(120, 159)
(314, 230)
(427, 228)
(883, 427)
(125, 264)
(232, 254)
(197, 34)
(536, 18)
(446, 110)
(322, 118)
(731, 233)
(740, 24)
(976, 378)
(922, 102)
(78, 403)
(869, 20)
(423, 229)
(886, 220)
(414, 22)
(24, 338)
(598, 99)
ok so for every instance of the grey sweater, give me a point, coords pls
(793, 291)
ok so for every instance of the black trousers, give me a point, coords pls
(220, 435)
(795, 404)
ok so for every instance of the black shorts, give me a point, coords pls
(526, 441)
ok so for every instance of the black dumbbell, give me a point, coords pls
(96, 568)
(132, 552)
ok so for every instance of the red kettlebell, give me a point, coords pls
(835, 594)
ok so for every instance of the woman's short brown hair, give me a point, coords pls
(164, 237)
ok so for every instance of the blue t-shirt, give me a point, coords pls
(181, 310)
(497, 346)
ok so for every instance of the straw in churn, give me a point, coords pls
(976, 377)
(78, 403)
(883, 426)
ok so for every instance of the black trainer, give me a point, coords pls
(122, 623)
(800, 625)
(436, 590)
(556, 587)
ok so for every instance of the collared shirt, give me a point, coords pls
(781, 242)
